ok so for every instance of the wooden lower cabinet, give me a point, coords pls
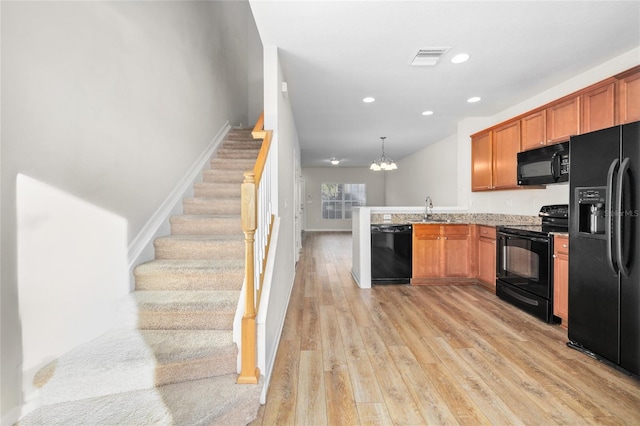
(561, 279)
(442, 251)
(426, 251)
(487, 257)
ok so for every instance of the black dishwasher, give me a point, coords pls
(391, 254)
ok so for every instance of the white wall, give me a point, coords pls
(431, 171)
(105, 106)
(255, 72)
(315, 176)
(279, 118)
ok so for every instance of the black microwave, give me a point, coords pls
(546, 165)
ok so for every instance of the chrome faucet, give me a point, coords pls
(428, 204)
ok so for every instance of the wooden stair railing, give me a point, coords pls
(257, 221)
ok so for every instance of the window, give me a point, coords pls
(338, 199)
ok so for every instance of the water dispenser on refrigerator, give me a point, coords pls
(592, 210)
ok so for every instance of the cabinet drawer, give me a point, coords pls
(487, 232)
(455, 230)
(560, 245)
(426, 231)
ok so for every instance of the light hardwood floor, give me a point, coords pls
(413, 355)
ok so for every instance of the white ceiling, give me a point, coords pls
(335, 53)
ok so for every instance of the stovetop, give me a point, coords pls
(555, 218)
(538, 230)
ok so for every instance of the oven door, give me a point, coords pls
(524, 261)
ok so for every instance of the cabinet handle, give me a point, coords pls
(564, 246)
(446, 238)
(541, 142)
(554, 256)
(493, 242)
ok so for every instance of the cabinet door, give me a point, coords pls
(487, 256)
(506, 145)
(481, 164)
(533, 130)
(426, 251)
(598, 110)
(455, 250)
(561, 279)
(563, 120)
(629, 97)
(456, 259)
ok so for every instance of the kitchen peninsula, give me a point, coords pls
(441, 219)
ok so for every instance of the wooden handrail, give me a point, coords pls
(258, 131)
(249, 216)
(262, 156)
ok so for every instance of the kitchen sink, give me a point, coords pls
(434, 221)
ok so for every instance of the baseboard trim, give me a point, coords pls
(172, 204)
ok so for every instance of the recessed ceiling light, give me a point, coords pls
(334, 161)
(460, 58)
(427, 113)
(474, 99)
(368, 100)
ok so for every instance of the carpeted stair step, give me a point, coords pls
(200, 224)
(224, 176)
(209, 274)
(212, 205)
(240, 134)
(254, 144)
(213, 401)
(194, 310)
(124, 360)
(245, 164)
(237, 153)
(216, 190)
(200, 247)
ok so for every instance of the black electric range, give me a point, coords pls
(524, 253)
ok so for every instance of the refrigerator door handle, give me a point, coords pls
(622, 265)
(608, 216)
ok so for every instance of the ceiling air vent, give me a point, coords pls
(429, 57)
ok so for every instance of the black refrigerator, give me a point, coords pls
(604, 252)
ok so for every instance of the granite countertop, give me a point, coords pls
(487, 219)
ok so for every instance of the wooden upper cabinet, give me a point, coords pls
(629, 96)
(563, 120)
(506, 145)
(534, 130)
(481, 162)
(598, 109)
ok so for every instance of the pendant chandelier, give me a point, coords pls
(383, 163)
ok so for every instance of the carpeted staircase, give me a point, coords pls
(172, 362)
